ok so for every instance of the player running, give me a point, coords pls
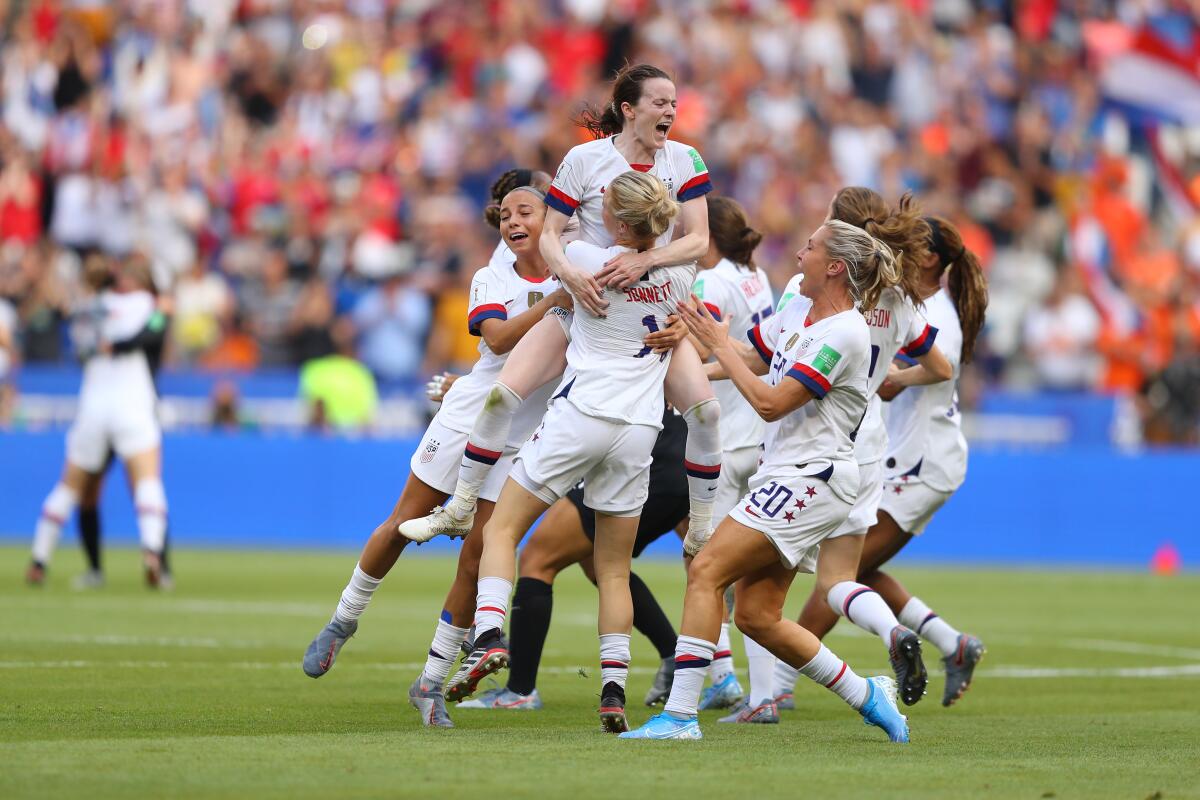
(634, 128)
(600, 427)
(734, 289)
(117, 410)
(816, 353)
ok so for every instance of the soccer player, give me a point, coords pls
(732, 288)
(926, 459)
(600, 427)
(816, 353)
(565, 537)
(118, 411)
(632, 131)
(506, 300)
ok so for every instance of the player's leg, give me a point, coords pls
(615, 537)
(56, 509)
(378, 556)
(688, 389)
(89, 531)
(539, 357)
(150, 500)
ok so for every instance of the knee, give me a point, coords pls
(534, 564)
(389, 532)
(706, 574)
(706, 413)
(868, 577)
(754, 623)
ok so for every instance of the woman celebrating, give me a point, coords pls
(816, 355)
(600, 427)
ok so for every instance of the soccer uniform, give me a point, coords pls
(808, 479)
(926, 459)
(894, 323)
(741, 295)
(587, 170)
(497, 292)
(605, 415)
(117, 401)
(667, 503)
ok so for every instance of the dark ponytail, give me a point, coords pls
(504, 184)
(731, 232)
(627, 88)
(965, 282)
(902, 228)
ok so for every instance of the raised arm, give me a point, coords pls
(580, 283)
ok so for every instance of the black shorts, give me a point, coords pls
(660, 515)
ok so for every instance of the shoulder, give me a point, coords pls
(587, 151)
(679, 150)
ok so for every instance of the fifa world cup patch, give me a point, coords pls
(826, 359)
(431, 448)
(697, 161)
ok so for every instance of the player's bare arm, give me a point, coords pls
(627, 268)
(502, 335)
(930, 368)
(581, 284)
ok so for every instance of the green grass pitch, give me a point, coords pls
(1089, 690)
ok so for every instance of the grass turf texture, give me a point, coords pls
(199, 693)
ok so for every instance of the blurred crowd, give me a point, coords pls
(307, 177)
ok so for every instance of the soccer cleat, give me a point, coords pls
(505, 699)
(880, 709)
(723, 694)
(785, 701)
(612, 709)
(763, 714)
(428, 701)
(490, 654)
(152, 564)
(35, 574)
(665, 726)
(319, 657)
(660, 690)
(960, 667)
(439, 522)
(905, 654)
(92, 579)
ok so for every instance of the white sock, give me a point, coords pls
(491, 604)
(355, 596)
(150, 499)
(722, 660)
(836, 675)
(784, 680)
(918, 616)
(614, 658)
(444, 650)
(864, 607)
(485, 445)
(702, 459)
(761, 662)
(56, 509)
(692, 657)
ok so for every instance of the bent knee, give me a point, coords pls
(754, 623)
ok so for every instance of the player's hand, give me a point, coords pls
(667, 339)
(438, 385)
(584, 288)
(888, 390)
(625, 270)
(708, 331)
(561, 298)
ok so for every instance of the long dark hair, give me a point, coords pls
(627, 88)
(731, 232)
(902, 228)
(965, 283)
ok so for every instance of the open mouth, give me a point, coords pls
(663, 128)
(518, 237)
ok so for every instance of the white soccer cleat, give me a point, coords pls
(695, 540)
(439, 522)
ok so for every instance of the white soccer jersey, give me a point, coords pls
(588, 168)
(924, 426)
(122, 378)
(894, 323)
(611, 374)
(497, 292)
(741, 295)
(830, 358)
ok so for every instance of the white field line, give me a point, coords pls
(1009, 672)
(141, 641)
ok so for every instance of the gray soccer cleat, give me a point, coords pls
(960, 667)
(319, 657)
(785, 701)
(660, 690)
(430, 704)
(505, 700)
(92, 579)
(905, 655)
(763, 714)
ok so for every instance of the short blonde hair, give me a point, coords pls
(870, 264)
(642, 202)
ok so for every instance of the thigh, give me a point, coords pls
(882, 543)
(135, 430)
(558, 542)
(735, 550)
(516, 510)
(762, 592)
(87, 443)
(539, 357)
(614, 546)
(686, 384)
(838, 561)
(417, 499)
(144, 464)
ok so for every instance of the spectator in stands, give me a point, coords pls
(1060, 337)
(202, 300)
(268, 303)
(393, 319)
(339, 390)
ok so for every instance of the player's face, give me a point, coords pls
(521, 219)
(812, 261)
(654, 113)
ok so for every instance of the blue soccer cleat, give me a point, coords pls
(665, 726)
(723, 694)
(880, 709)
(503, 699)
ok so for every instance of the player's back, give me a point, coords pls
(125, 377)
(611, 374)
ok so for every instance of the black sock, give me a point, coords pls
(649, 618)
(89, 535)
(532, 605)
(166, 565)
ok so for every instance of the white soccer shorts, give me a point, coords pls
(437, 459)
(866, 507)
(611, 458)
(737, 468)
(911, 503)
(128, 429)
